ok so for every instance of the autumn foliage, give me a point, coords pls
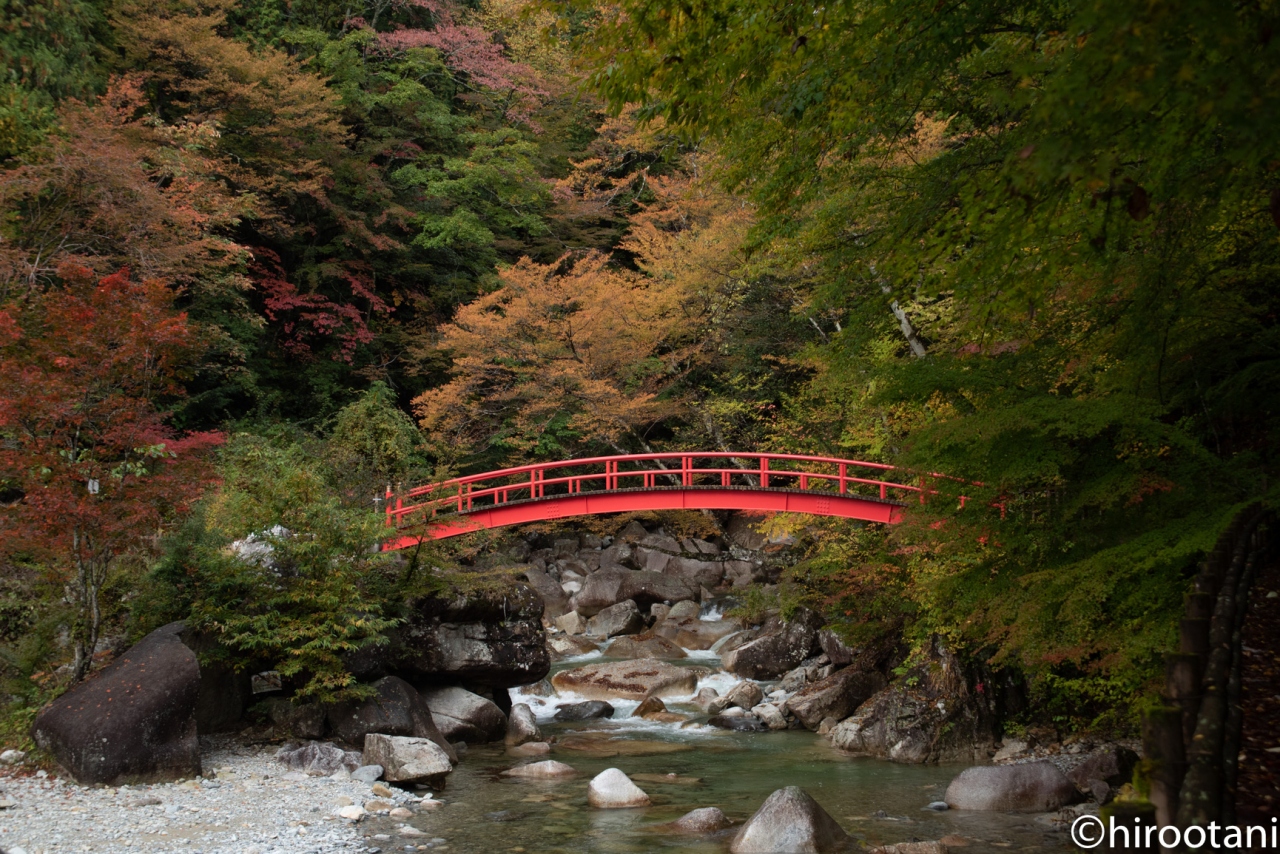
(87, 368)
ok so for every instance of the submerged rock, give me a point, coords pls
(645, 646)
(700, 821)
(1033, 787)
(628, 680)
(546, 770)
(790, 821)
(134, 722)
(739, 723)
(612, 789)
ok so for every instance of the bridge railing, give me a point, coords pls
(595, 475)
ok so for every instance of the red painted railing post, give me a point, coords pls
(844, 485)
(686, 475)
(390, 524)
(764, 472)
(884, 490)
(724, 478)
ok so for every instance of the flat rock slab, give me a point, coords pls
(628, 680)
(605, 746)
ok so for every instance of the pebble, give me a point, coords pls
(255, 806)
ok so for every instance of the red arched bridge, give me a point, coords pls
(791, 483)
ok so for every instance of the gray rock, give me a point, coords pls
(1111, 767)
(692, 633)
(770, 715)
(704, 573)
(744, 695)
(1032, 787)
(684, 610)
(460, 714)
(396, 708)
(623, 618)
(584, 711)
(837, 696)
(571, 623)
(627, 680)
(522, 726)
(555, 601)
(937, 806)
(836, 650)
(705, 698)
(12, 757)
(368, 774)
(493, 639)
(646, 645)
(612, 585)
(929, 715)
(611, 789)
(567, 646)
(632, 532)
(316, 758)
(300, 720)
(134, 722)
(789, 821)
(407, 760)
(774, 653)
(739, 723)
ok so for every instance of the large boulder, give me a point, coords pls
(834, 697)
(777, 651)
(612, 585)
(692, 633)
(1031, 787)
(611, 790)
(623, 618)
(225, 692)
(396, 708)
(790, 821)
(704, 573)
(934, 713)
(561, 647)
(493, 639)
(647, 645)
(135, 721)
(298, 720)
(627, 680)
(461, 715)
(405, 759)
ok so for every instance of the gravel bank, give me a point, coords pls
(248, 804)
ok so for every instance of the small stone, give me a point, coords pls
(12, 757)
(351, 813)
(144, 802)
(382, 791)
(533, 748)
(367, 773)
(408, 830)
(7, 803)
(401, 813)
(938, 806)
(1272, 595)
(344, 801)
(378, 807)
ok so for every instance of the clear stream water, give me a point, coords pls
(875, 801)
